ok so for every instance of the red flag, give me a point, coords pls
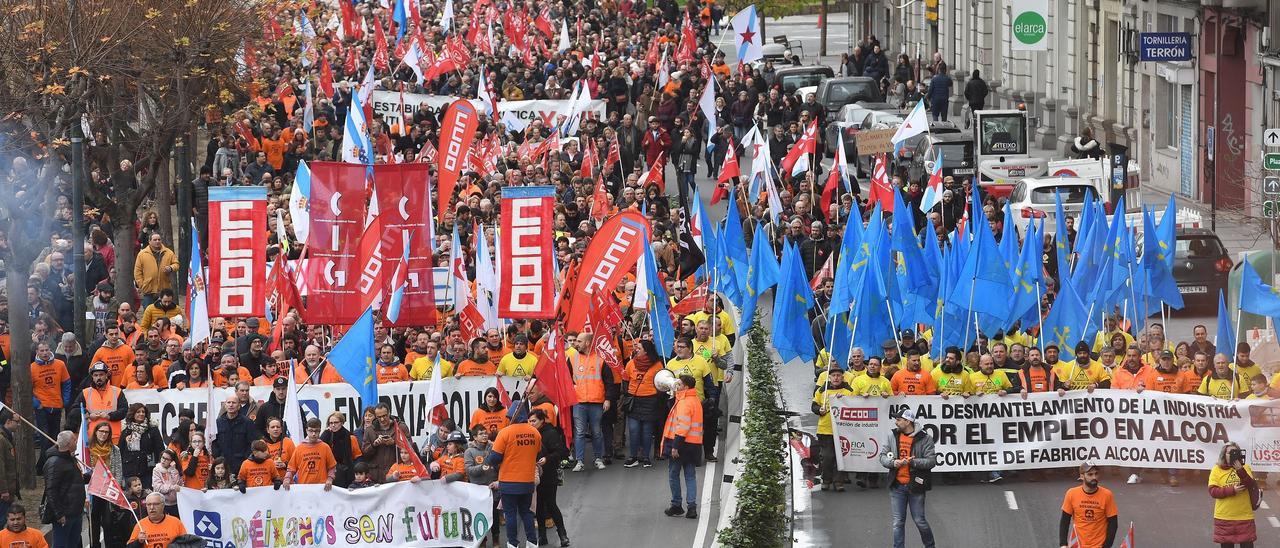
(612, 253)
(428, 153)
(471, 321)
(503, 395)
(352, 62)
(250, 59)
(552, 374)
(590, 159)
(655, 174)
(688, 42)
(543, 22)
(326, 77)
(338, 208)
(880, 187)
(654, 54)
(692, 302)
(615, 153)
(456, 136)
(807, 144)
(402, 443)
(730, 168)
(829, 190)
(599, 201)
(826, 272)
(350, 21)
(103, 486)
(1128, 538)
(371, 284)
(381, 59)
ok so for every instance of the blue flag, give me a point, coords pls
(848, 264)
(1167, 231)
(1009, 238)
(912, 268)
(762, 273)
(733, 253)
(1159, 282)
(1060, 239)
(664, 334)
(792, 336)
(1065, 325)
(1028, 279)
(1226, 339)
(1257, 297)
(982, 284)
(353, 357)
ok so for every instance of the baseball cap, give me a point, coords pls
(280, 382)
(908, 414)
(1087, 466)
(1166, 354)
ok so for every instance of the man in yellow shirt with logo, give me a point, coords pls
(1222, 383)
(989, 380)
(831, 478)
(1083, 373)
(519, 362)
(714, 349)
(1244, 367)
(951, 377)
(686, 363)
(872, 383)
(422, 366)
(727, 328)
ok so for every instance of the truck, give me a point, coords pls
(1002, 150)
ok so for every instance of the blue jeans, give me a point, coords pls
(518, 509)
(899, 500)
(674, 466)
(67, 535)
(639, 437)
(587, 416)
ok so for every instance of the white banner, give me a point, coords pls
(1108, 427)
(387, 106)
(408, 400)
(424, 514)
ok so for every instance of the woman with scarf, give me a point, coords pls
(101, 450)
(642, 403)
(344, 445)
(140, 444)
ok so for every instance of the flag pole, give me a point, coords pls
(973, 287)
(1040, 315)
(1235, 375)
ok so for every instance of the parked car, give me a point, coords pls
(1201, 266)
(1033, 198)
(835, 93)
(957, 157)
(909, 146)
(792, 78)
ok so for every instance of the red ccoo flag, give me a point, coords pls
(1128, 538)
(402, 442)
(503, 395)
(880, 187)
(103, 486)
(552, 374)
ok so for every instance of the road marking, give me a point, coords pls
(1263, 505)
(1009, 498)
(1275, 522)
(708, 483)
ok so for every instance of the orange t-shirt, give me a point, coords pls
(28, 538)
(281, 450)
(275, 153)
(312, 462)
(495, 355)
(913, 383)
(391, 373)
(159, 535)
(220, 380)
(258, 474)
(472, 368)
(1123, 379)
(1191, 380)
(519, 445)
(403, 472)
(1172, 383)
(492, 420)
(453, 464)
(1089, 513)
(203, 469)
(46, 383)
(904, 452)
(117, 359)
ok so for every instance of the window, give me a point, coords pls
(1170, 101)
(1071, 194)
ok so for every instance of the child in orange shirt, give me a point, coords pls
(405, 469)
(452, 465)
(312, 461)
(259, 470)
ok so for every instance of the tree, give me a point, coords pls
(134, 71)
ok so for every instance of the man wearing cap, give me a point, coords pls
(1081, 373)
(101, 400)
(274, 406)
(1091, 510)
(835, 386)
(909, 456)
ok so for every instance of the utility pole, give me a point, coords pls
(79, 292)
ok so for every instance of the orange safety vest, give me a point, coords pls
(685, 418)
(587, 381)
(104, 401)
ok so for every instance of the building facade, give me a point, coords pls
(1194, 128)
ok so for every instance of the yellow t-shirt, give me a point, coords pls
(726, 321)
(824, 421)
(422, 367)
(867, 386)
(512, 366)
(1223, 389)
(694, 366)
(849, 376)
(713, 346)
(1234, 507)
(989, 384)
(952, 383)
(1246, 373)
(1079, 378)
(1104, 339)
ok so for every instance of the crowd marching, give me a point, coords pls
(670, 97)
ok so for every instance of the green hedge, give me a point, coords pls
(761, 519)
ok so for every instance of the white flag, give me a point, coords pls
(708, 105)
(746, 35)
(916, 123)
(292, 411)
(446, 17)
(564, 37)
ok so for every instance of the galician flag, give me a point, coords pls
(933, 192)
(917, 122)
(746, 36)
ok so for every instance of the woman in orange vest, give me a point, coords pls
(682, 444)
(641, 402)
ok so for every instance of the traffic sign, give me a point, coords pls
(1271, 160)
(1271, 186)
(1271, 137)
(1269, 209)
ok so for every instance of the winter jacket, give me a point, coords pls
(64, 486)
(553, 449)
(975, 92)
(149, 270)
(234, 438)
(923, 459)
(136, 459)
(475, 456)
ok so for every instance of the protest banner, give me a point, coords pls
(388, 105)
(527, 287)
(423, 514)
(238, 255)
(1108, 427)
(408, 400)
(338, 211)
(875, 141)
